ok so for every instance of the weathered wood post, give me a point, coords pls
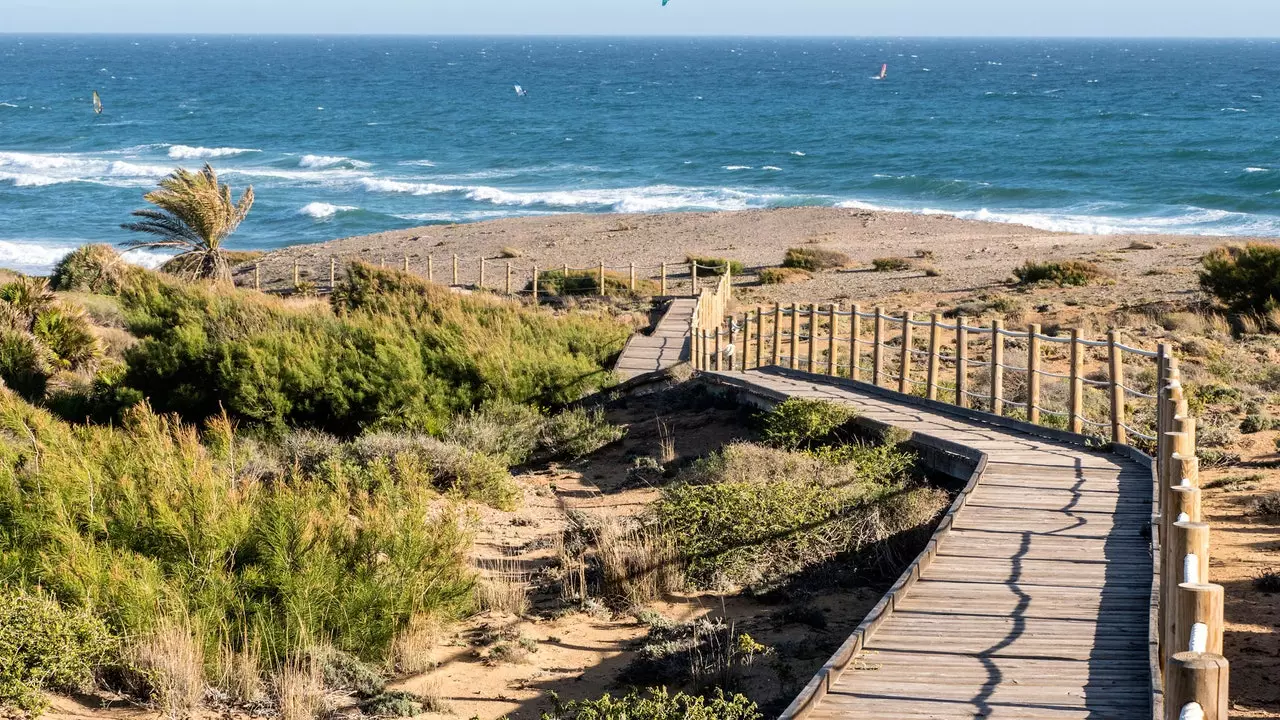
(777, 334)
(295, 273)
(1033, 374)
(813, 336)
(1075, 411)
(795, 336)
(855, 342)
(759, 335)
(733, 322)
(602, 293)
(935, 355)
(1188, 563)
(962, 363)
(257, 277)
(455, 269)
(382, 263)
(431, 268)
(716, 347)
(877, 350)
(904, 360)
(406, 262)
(483, 263)
(746, 340)
(1196, 685)
(535, 288)
(1115, 359)
(1199, 604)
(508, 277)
(633, 276)
(997, 367)
(693, 275)
(833, 366)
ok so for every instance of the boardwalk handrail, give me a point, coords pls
(1144, 414)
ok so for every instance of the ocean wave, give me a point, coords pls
(321, 211)
(774, 168)
(37, 169)
(186, 152)
(39, 256)
(738, 167)
(8, 105)
(1256, 170)
(1233, 109)
(1184, 221)
(652, 198)
(797, 153)
(328, 161)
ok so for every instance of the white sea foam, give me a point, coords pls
(653, 198)
(772, 167)
(1231, 109)
(797, 153)
(38, 169)
(738, 167)
(418, 163)
(186, 152)
(321, 211)
(1255, 170)
(327, 161)
(8, 105)
(39, 256)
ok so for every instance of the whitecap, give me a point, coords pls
(1232, 109)
(8, 105)
(39, 256)
(775, 168)
(186, 152)
(737, 167)
(1255, 170)
(418, 163)
(797, 153)
(322, 211)
(326, 161)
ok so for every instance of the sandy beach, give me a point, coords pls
(968, 256)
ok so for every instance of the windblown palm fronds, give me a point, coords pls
(195, 215)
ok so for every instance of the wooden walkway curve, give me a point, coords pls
(1037, 602)
(665, 347)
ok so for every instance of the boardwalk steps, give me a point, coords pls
(666, 347)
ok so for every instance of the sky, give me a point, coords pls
(1123, 18)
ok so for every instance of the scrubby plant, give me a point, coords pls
(890, 264)
(398, 704)
(587, 282)
(189, 265)
(783, 276)
(578, 432)
(704, 652)
(1267, 581)
(451, 468)
(801, 422)
(40, 336)
(715, 266)
(1062, 273)
(1245, 279)
(499, 428)
(345, 672)
(813, 259)
(93, 269)
(169, 660)
(44, 646)
(657, 704)
(1257, 422)
(1267, 506)
(396, 353)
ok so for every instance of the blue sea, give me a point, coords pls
(344, 135)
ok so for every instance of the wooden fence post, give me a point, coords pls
(1076, 409)
(295, 273)
(1115, 358)
(777, 334)
(406, 262)
(877, 351)
(535, 287)
(431, 268)
(508, 277)
(795, 336)
(855, 342)
(664, 279)
(382, 263)
(813, 337)
(904, 361)
(833, 367)
(1200, 679)
(483, 263)
(693, 274)
(997, 367)
(1188, 563)
(935, 359)
(1033, 374)
(455, 268)
(1199, 604)
(602, 293)
(333, 273)
(962, 363)
(716, 347)
(257, 277)
(759, 335)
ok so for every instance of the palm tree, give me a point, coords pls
(195, 214)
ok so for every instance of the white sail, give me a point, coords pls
(97, 103)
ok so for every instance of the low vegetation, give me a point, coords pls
(1245, 278)
(587, 282)
(715, 266)
(1062, 273)
(657, 704)
(800, 423)
(890, 264)
(45, 647)
(813, 259)
(41, 337)
(783, 276)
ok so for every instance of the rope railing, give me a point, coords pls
(886, 350)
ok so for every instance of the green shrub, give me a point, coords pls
(715, 266)
(46, 647)
(95, 269)
(500, 428)
(1061, 273)
(40, 336)
(800, 422)
(1257, 422)
(656, 704)
(783, 276)
(397, 353)
(587, 282)
(452, 468)
(752, 516)
(345, 672)
(1245, 279)
(25, 364)
(813, 259)
(577, 433)
(398, 704)
(890, 264)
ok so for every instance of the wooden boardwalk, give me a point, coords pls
(666, 347)
(1036, 605)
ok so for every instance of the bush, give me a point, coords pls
(577, 433)
(587, 282)
(783, 276)
(753, 516)
(397, 353)
(715, 266)
(397, 704)
(800, 422)
(46, 647)
(1245, 279)
(188, 266)
(1268, 581)
(499, 428)
(656, 704)
(95, 269)
(1257, 422)
(451, 468)
(1061, 273)
(39, 337)
(345, 672)
(890, 264)
(1266, 506)
(814, 259)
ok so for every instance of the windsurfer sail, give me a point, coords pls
(521, 92)
(884, 71)
(97, 103)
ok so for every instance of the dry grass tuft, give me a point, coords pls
(890, 264)
(783, 276)
(240, 672)
(299, 689)
(411, 651)
(504, 587)
(173, 663)
(510, 252)
(638, 564)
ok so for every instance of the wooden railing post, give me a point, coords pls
(535, 288)
(296, 277)
(813, 336)
(935, 355)
(693, 274)
(1199, 604)
(257, 277)
(508, 277)
(431, 268)
(633, 276)
(406, 263)
(455, 269)
(777, 334)
(759, 335)
(904, 358)
(731, 350)
(746, 340)
(1198, 680)
(716, 347)
(1076, 408)
(877, 350)
(962, 363)
(1033, 374)
(483, 262)
(855, 342)
(833, 367)
(1115, 359)
(795, 336)
(602, 294)
(664, 279)
(997, 367)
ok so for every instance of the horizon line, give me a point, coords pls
(639, 36)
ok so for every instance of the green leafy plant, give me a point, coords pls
(813, 259)
(1062, 273)
(1245, 279)
(44, 646)
(587, 282)
(715, 266)
(890, 264)
(800, 422)
(576, 433)
(657, 704)
(93, 269)
(783, 276)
